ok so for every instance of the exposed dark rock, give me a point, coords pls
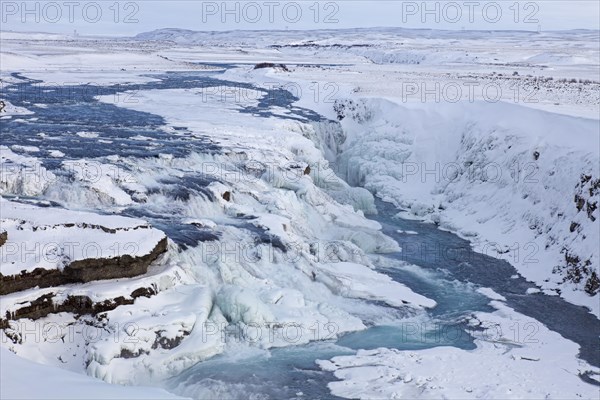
(79, 305)
(83, 225)
(592, 285)
(12, 335)
(579, 202)
(143, 292)
(271, 65)
(574, 226)
(81, 271)
(590, 208)
(3, 237)
(126, 353)
(307, 170)
(576, 270)
(357, 110)
(168, 343)
(571, 259)
(26, 280)
(585, 178)
(227, 196)
(588, 190)
(312, 45)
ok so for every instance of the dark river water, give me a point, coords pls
(426, 266)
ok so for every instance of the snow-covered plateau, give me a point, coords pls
(362, 213)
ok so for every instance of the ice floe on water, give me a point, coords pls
(516, 357)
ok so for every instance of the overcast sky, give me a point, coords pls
(131, 17)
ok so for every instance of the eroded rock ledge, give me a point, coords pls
(82, 271)
(48, 247)
(48, 303)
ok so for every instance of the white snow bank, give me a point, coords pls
(38, 238)
(11, 110)
(23, 379)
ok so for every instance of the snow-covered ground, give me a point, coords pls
(23, 379)
(71, 237)
(278, 209)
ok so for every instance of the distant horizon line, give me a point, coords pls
(301, 30)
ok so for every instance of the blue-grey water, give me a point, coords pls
(445, 267)
(292, 373)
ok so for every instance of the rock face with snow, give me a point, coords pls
(51, 247)
(59, 263)
(3, 236)
(446, 163)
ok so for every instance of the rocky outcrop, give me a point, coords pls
(281, 67)
(81, 271)
(47, 304)
(586, 195)
(579, 268)
(49, 247)
(3, 237)
(357, 110)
